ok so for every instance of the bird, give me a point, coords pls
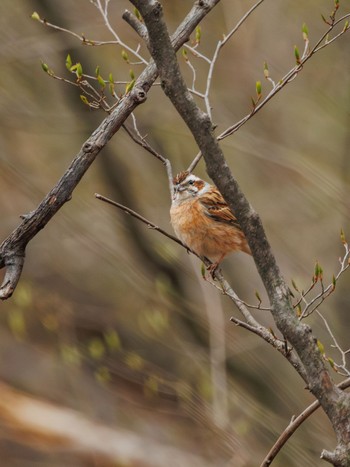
(203, 221)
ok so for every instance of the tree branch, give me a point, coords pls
(335, 403)
(293, 426)
(250, 323)
(12, 249)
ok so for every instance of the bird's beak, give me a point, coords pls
(176, 189)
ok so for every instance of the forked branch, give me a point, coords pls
(12, 249)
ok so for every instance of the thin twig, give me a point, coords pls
(250, 322)
(132, 213)
(312, 305)
(212, 63)
(293, 426)
(141, 141)
(104, 13)
(337, 367)
(290, 76)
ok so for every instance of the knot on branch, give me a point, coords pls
(138, 94)
(203, 4)
(87, 147)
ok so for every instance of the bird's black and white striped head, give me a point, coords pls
(188, 186)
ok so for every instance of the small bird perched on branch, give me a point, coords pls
(203, 221)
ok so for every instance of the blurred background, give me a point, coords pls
(112, 340)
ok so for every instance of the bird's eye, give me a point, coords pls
(191, 182)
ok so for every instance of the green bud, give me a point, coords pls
(258, 88)
(97, 71)
(332, 364)
(132, 74)
(342, 237)
(320, 347)
(298, 310)
(334, 281)
(101, 81)
(79, 70)
(35, 16)
(45, 67)
(129, 86)
(125, 56)
(198, 34)
(294, 285)
(137, 14)
(110, 78)
(266, 70)
(318, 275)
(184, 54)
(69, 62)
(84, 100)
(305, 32)
(203, 269)
(297, 55)
(346, 26)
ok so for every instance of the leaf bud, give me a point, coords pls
(35, 16)
(297, 55)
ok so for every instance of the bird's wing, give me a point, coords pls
(216, 208)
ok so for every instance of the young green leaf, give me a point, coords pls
(110, 78)
(84, 100)
(137, 14)
(297, 55)
(305, 31)
(298, 310)
(318, 275)
(342, 237)
(129, 86)
(258, 88)
(101, 81)
(69, 62)
(132, 74)
(320, 347)
(97, 71)
(79, 70)
(332, 363)
(184, 54)
(198, 34)
(266, 70)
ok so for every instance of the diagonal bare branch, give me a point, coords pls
(332, 399)
(12, 249)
